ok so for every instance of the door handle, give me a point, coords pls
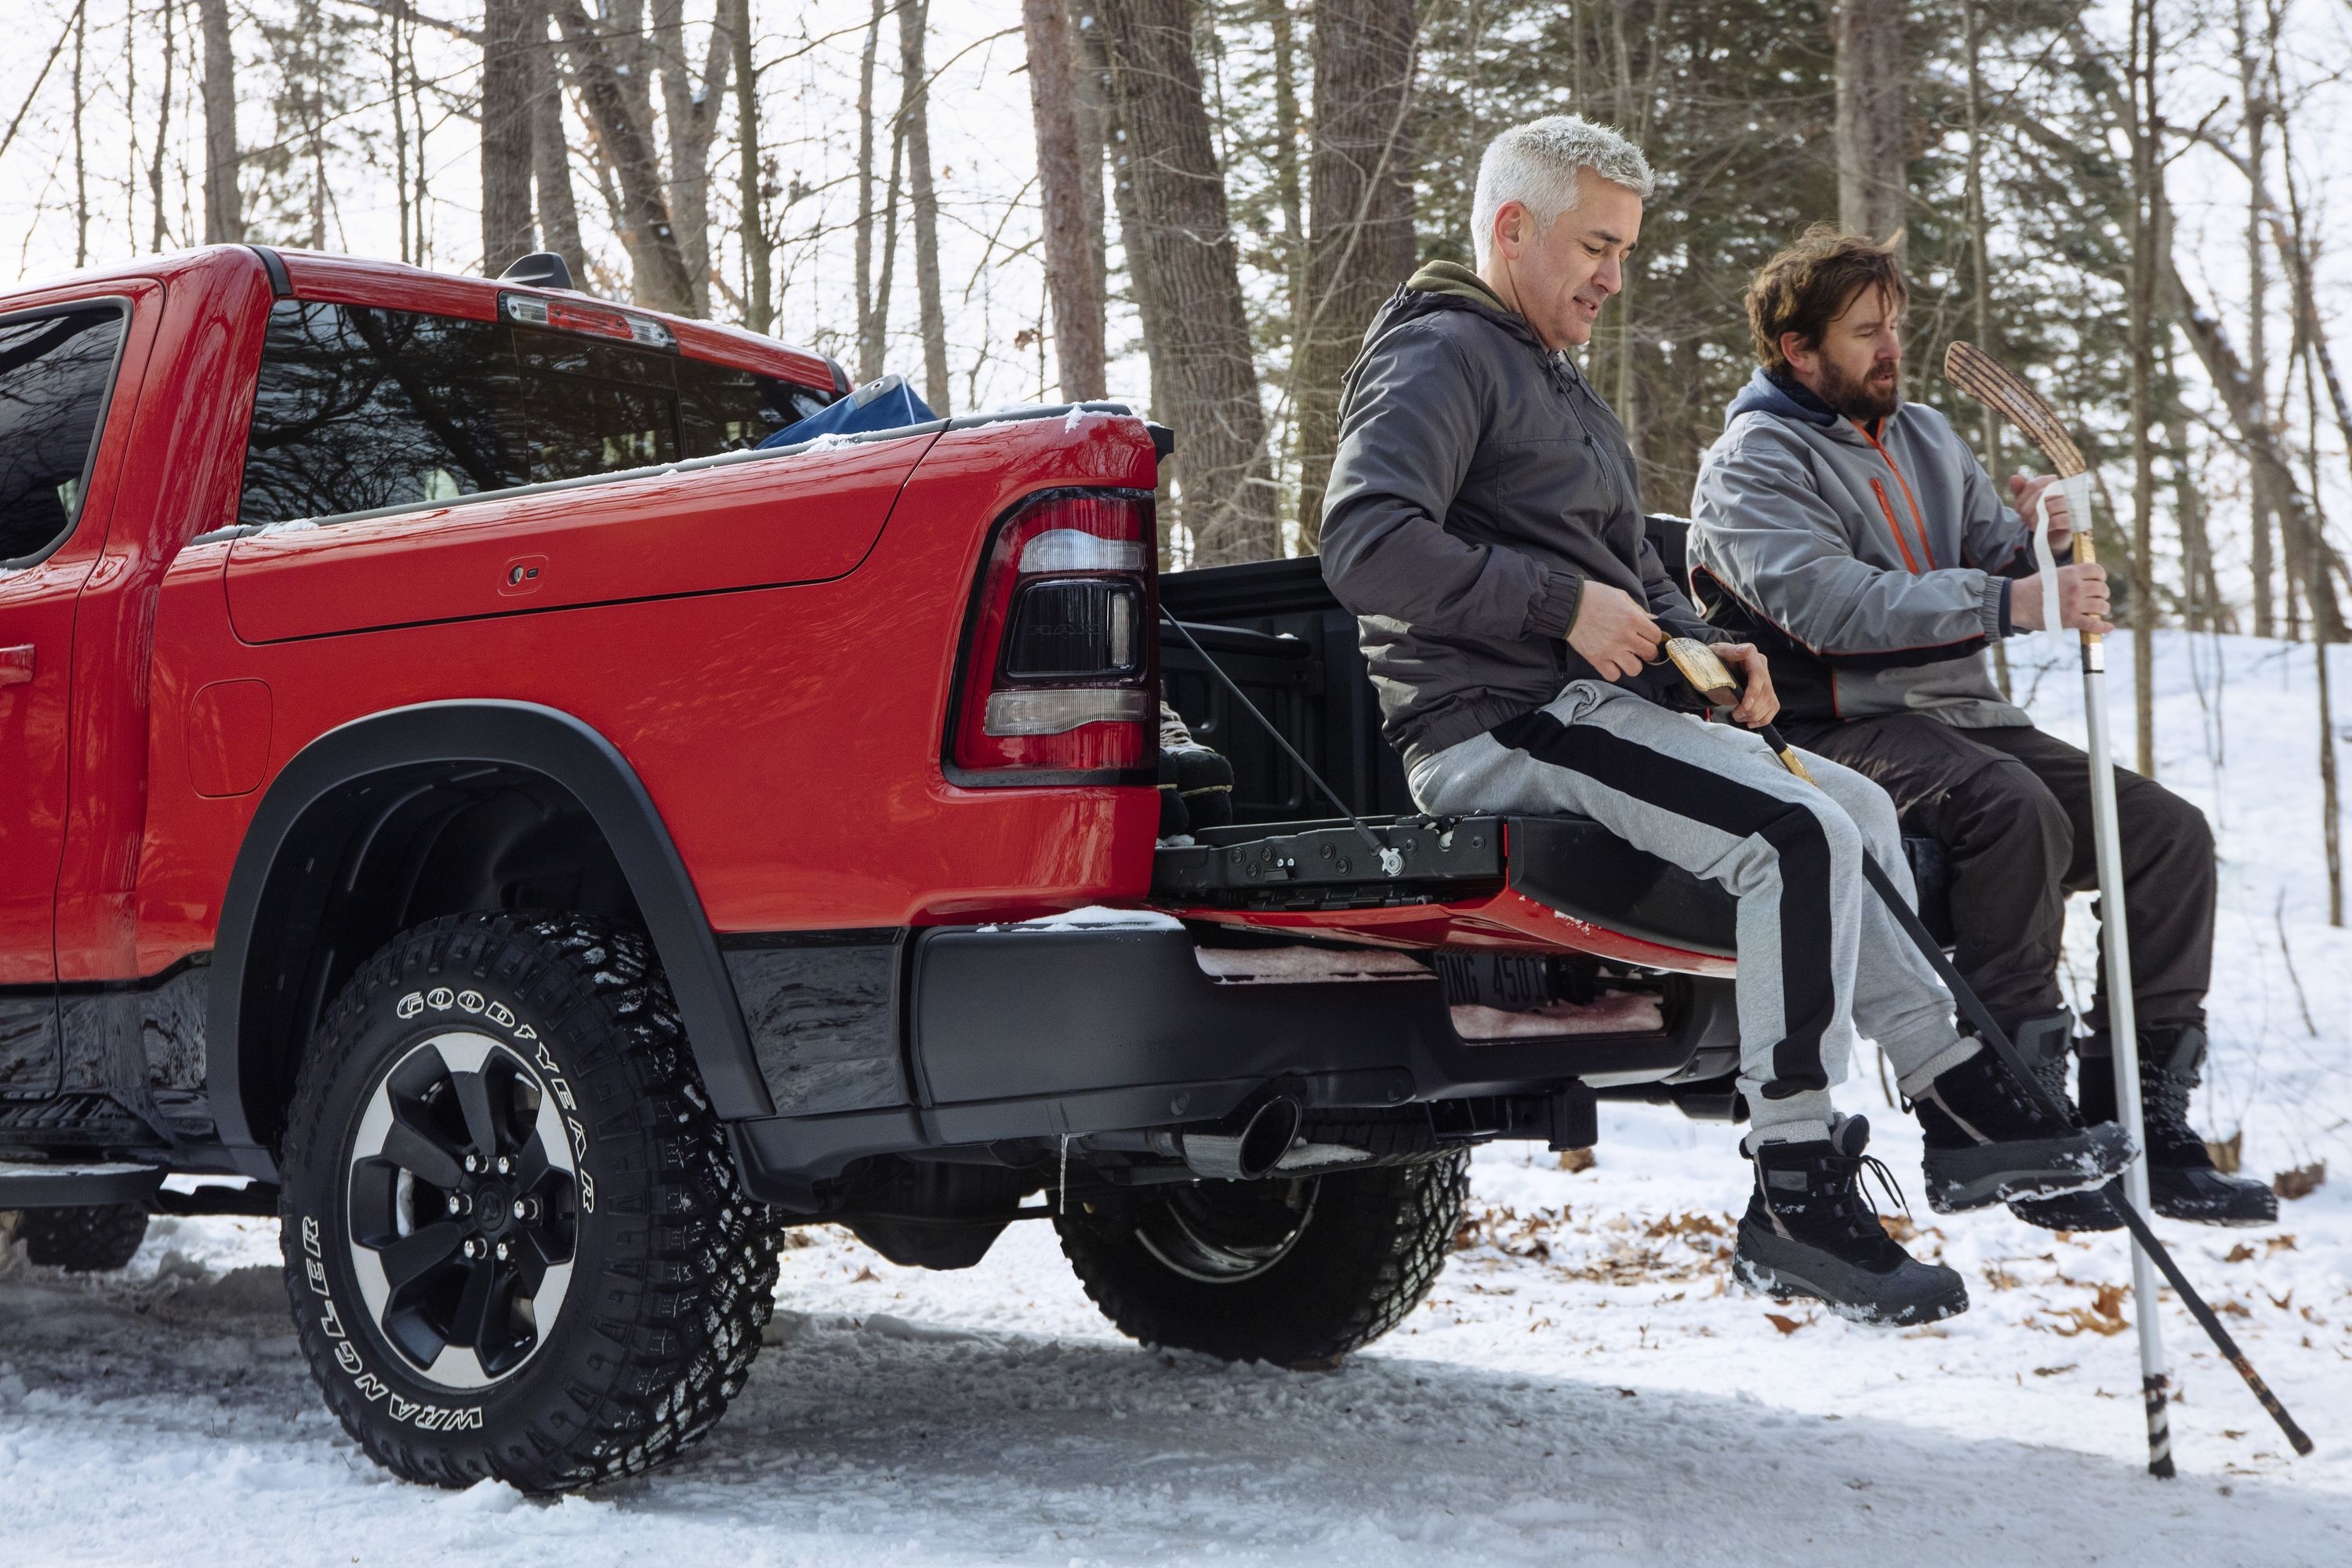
(15, 664)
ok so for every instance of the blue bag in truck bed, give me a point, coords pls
(888, 403)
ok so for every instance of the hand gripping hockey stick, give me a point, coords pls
(1714, 683)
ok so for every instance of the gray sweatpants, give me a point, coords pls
(1820, 957)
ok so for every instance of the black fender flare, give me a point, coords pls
(524, 735)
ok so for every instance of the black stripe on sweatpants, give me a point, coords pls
(1808, 998)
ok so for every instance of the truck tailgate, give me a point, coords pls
(1531, 883)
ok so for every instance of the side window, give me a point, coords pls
(723, 409)
(55, 372)
(591, 407)
(359, 408)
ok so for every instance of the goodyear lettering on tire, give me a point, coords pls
(473, 1004)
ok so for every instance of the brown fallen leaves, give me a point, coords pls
(1576, 1159)
(1786, 1324)
(2301, 1182)
(2104, 1315)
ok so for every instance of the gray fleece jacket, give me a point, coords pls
(1478, 484)
(1872, 565)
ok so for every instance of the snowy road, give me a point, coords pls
(1578, 1390)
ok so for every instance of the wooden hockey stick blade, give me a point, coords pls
(1999, 388)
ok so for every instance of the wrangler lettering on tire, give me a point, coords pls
(515, 1244)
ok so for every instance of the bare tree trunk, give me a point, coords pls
(1980, 269)
(392, 41)
(506, 229)
(1087, 89)
(550, 151)
(1290, 190)
(2331, 831)
(759, 280)
(81, 149)
(163, 122)
(419, 214)
(2265, 510)
(1361, 175)
(869, 328)
(691, 110)
(2247, 415)
(915, 119)
(2144, 238)
(878, 323)
(224, 209)
(656, 260)
(1060, 178)
(1204, 375)
(1872, 101)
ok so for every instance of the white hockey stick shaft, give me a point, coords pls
(2123, 1034)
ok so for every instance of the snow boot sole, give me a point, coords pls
(1786, 1269)
(2197, 1195)
(1984, 1175)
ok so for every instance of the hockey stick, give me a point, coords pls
(2000, 389)
(1714, 683)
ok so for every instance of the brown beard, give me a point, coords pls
(1857, 399)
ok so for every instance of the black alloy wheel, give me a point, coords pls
(465, 1208)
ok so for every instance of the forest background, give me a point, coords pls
(1196, 204)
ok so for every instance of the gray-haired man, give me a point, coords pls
(1482, 523)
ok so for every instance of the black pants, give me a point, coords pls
(2012, 809)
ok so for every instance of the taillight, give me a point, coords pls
(1058, 674)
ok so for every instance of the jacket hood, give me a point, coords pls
(1784, 397)
(1450, 286)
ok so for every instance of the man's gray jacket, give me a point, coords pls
(1479, 483)
(1872, 565)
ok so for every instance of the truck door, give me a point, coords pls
(57, 369)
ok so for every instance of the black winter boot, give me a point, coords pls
(1809, 1233)
(2181, 1181)
(1989, 1139)
(2045, 1044)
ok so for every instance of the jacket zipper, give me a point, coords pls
(1913, 501)
(1893, 527)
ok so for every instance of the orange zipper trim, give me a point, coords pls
(1893, 527)
(1909, 499)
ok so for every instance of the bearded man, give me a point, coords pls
(1854, 539)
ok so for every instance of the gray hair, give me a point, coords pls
(1536, 166)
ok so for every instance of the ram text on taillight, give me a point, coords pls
(1058, 674)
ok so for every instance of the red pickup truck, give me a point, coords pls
(543, 846)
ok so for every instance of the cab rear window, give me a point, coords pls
(359, 408)
(55, 370)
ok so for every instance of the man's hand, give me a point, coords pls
(2082, 600)
(1759, 703)
(2025, 493)
(1613, 632)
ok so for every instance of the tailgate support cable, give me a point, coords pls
(1392, 862)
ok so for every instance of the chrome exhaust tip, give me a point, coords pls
(1247, 1152)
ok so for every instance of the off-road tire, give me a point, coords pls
(1370, 1249)
(94, 1239)
(672, 1271)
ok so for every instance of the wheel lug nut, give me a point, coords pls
(505, 1165)
(503, 1252)
(459, 1203)
(473, 1247)
(473, 1162)
(526, 1209)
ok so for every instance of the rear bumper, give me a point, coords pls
(1016, 1032)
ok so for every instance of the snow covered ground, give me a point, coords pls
(1578, 1389)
